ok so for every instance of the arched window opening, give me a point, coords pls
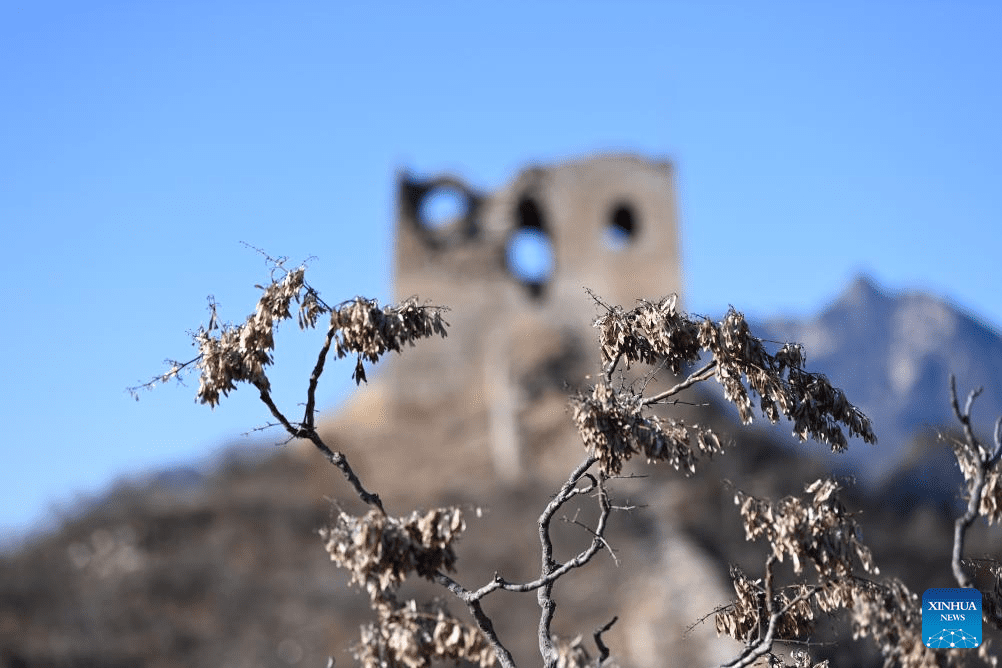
(622, 227)
(529, 254)
(529, 214)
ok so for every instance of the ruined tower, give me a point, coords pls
(515, 340)
(484, 411)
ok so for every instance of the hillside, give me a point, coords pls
(232, 572)
(893, 354)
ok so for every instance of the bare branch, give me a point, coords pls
(695, 377)
(603, 651)
(311, 391)
(487, 628)
(550, 570)
(605, 543)
(612, 367)
(174, 372)
(755, 650)
(339, 460)
(335, 458)
(549, 567)
(266, 399)
(976, 462)
(965, 415)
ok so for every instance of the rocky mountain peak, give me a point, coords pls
(893, 353)
(862, 291)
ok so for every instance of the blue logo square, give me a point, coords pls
(951, 618)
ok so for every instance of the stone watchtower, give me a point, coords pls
(518, 336)
(487, 406)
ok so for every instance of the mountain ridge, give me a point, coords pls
(892, 353)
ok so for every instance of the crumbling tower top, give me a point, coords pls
(611, 222)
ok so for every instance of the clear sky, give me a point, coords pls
(143, 141)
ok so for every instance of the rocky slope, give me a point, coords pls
(893, 355)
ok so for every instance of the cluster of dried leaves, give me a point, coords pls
(365, 329)
(413, 637)
(240, 353)
(978, 463)
(891, 616)
(379, 552)
(229, 354)
(819, 531)
(649, 333)
(808, 399)
(613, 425)
(990, 506)
(745, 619)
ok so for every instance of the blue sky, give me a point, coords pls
(143, 141)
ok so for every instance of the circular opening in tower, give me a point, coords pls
(442, 207)
(622, 227)
(529, 253)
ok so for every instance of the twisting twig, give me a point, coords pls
(549, 565)
(612, 367)
(487, 628)
(695, 377)
(983, 461)
(550, 572)
(334, 457)
(318, 369)
(753, 652)
(339, 460)
(603, 651)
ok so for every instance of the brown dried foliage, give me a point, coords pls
(406, 636)
(818, 530)
(808, 399)
(613, 427)
(745, 618)
(649, 333)
(240, 353)
(970, 459)
(370, 331)
(380, 551)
